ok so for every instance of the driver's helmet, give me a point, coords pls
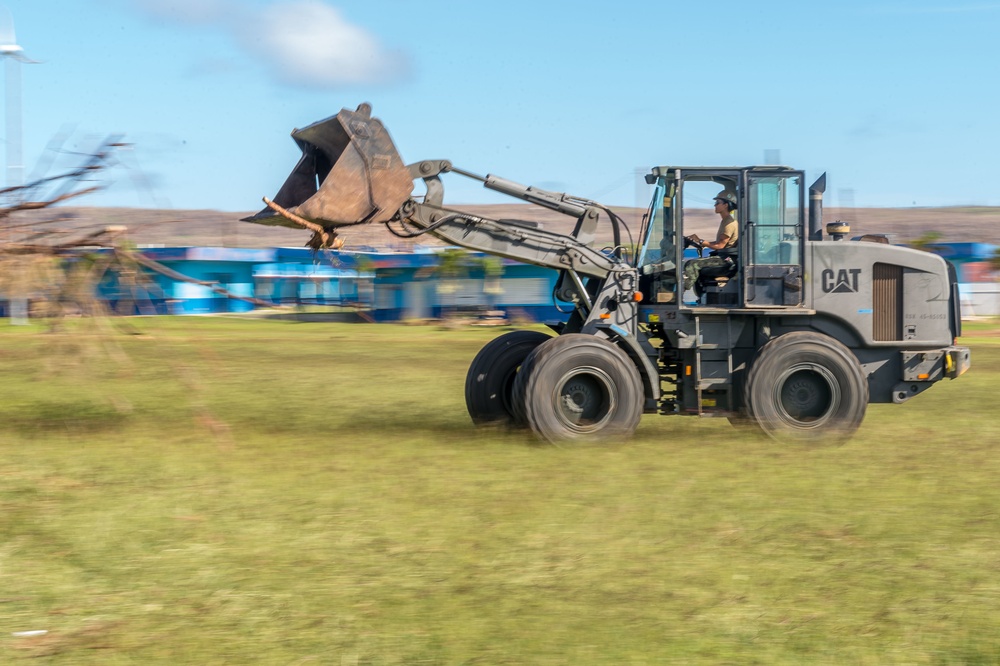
(727, 196)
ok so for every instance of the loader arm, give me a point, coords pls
(513, 239)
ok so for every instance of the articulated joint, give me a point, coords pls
(429, 168)
(581, 291)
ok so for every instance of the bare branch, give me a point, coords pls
(38, 205)
(321, 237)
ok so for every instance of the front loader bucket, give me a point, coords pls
(349, 173)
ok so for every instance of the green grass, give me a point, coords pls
(214, 491)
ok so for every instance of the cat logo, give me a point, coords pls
(842, 281)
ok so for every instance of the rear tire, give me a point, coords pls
(579, 387)
(490, 381)
(804, 387)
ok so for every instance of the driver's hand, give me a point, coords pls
(694, 238)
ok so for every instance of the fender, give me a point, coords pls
(632, 347)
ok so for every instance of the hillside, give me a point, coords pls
(216, 228)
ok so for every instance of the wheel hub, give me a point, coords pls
(585, 398)
(807, 395)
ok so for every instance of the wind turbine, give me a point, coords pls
(13, 56)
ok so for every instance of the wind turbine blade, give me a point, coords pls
(7, 36)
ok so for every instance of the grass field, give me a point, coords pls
(215, 491)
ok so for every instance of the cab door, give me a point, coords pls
(773, 240)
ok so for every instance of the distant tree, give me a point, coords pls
(455, 265)
(995, 260)
(927, 242)
(492, 272)
(452, 266)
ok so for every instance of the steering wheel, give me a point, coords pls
(699, 246)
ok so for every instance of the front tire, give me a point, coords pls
(489, 383)
(579, 387)
(804, 386)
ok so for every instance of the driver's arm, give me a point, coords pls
(717, 244)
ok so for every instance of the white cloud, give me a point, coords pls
(306, 43)
(309, 43)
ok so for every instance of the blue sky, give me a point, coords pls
(897, 100)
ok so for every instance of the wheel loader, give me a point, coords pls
(796, 334)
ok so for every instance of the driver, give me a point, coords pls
(723, 246)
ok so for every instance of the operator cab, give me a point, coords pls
(767, 269)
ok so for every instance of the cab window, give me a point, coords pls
(775, 209)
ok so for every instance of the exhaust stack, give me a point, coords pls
(349, 173)
(816, 191)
